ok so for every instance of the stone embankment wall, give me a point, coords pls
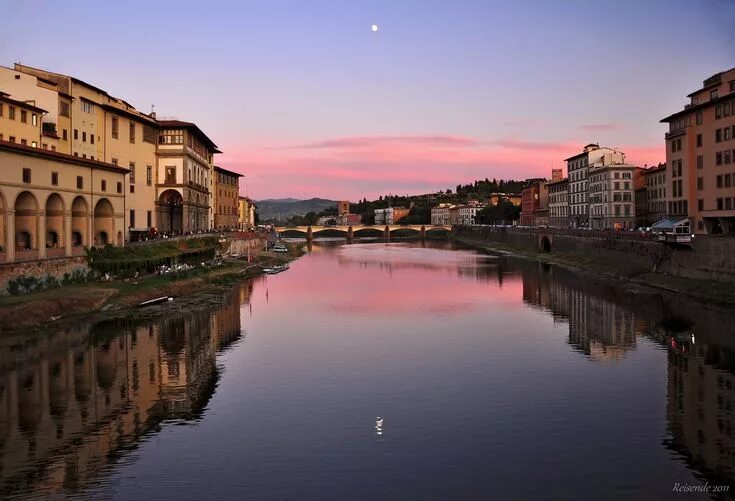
(710, 257)
(33, 273)
(243, 245)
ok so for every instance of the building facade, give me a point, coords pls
(577, 169)
(496, 198)
(185, 180)
(467, 213)
(529, 204)
(440, 214)
(700, 157)
(226, 197)
(654, 181)
(612, 196)
(53, 204)
(245, 214)
(559, 203)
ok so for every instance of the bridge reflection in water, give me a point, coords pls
(379, 231)
(74, 401)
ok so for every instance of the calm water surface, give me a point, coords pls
(494, 379)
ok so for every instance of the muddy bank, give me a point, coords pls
(97, 301)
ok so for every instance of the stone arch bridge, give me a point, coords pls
(355, 231)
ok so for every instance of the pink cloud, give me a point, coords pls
(356, 167)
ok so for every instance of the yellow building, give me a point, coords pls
(20, 122)
(225, 196)
(52, 204)
(85, 121)
(246, 214)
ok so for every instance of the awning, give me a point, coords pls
(669, 224)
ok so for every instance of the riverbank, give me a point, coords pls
(607, 268)
(96, 301)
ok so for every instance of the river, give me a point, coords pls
(380, 371)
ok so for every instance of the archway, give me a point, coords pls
(79, 222)
(103, 222)
(55, 221)
(26, 222)
(171, 211)
(545, 244)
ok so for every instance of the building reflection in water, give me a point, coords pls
(701, 406)
(74, 401)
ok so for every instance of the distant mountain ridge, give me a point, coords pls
(283, 208)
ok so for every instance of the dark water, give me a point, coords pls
(495, 379)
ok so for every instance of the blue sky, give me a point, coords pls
(280, 85)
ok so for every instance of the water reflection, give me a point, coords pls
(74, 401)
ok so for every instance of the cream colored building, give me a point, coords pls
(52, 204)
(612, 196)
(20, 122)
(246, 214)
(440, 214)
(226, 198)
(89, 123)
(184, 169)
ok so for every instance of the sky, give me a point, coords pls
(305, 100)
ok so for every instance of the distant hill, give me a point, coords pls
(283, 208)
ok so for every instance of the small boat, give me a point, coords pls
(272, 270)
(280, 248)
(156, 300)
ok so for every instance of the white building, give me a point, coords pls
(467, 214)
(612, 196)
(440, 214)
(577, 169)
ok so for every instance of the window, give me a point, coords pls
(64, 135)
(699, 140)
(34, 144)
(700, 162)
(718, 111)
(113, 161)
(732, 85)
(132, 218)
(728, 180)
(23, 142)
(87, 107)
(132, 172)
(11, 139)
(132, 188)
(76, 134)
(175, 136)
(91, 138)
(726, 157)
(80, 182)
(27, 176)
(699, 118)
(11, 112)
(103, 185)
(149, 134)
(700, 205)
(718, 158)
(34, 119)
(719, 181)
(149, 218)
(713, 94)
(700, 183)
(55, 178)
(24, 116)
(148, 175)
(727, 134)
(84, 137)
(1, 109)
(170, 175)
(119, 187)
(132, 132)
(115, 128)
(64, 108)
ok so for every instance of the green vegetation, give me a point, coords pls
(126, 261)
(503, 213)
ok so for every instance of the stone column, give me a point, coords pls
(41, 225)
(67, 233)
(10, 236)
(386, 233)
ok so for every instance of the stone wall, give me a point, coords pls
(710, 257)
(241, 245)
(42, 270)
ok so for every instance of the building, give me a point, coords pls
(495, 198)
(85, 121)
(349, 219)
(700, 157)
(534, 202)
(612, 195)
(454, 214)
(343, 207)
(245, 214)
(185, 180)
(53, 204)
(20, 121)
(577, 167)
(390, 215)
(654, 182)
(440, 214)
(226, 198)
(558, 203)
(466, 214)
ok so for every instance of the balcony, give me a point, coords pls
(677, 132)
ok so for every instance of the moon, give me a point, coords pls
(374, 28)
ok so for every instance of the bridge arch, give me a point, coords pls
(545, 243)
